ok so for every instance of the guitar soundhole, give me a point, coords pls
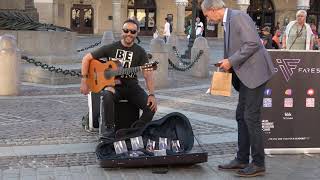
(107, 74)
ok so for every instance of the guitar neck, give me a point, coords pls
(126, 71)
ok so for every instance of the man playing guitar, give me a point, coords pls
(130, 55)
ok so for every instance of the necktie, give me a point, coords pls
(225, 41)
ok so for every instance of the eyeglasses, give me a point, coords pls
(129, 30)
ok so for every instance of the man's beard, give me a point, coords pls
(128, 39)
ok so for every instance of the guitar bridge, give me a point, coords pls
(95, 76)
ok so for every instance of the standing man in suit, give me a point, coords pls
(251, 67)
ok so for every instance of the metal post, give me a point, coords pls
(193, 31)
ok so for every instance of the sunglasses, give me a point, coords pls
(128, 30)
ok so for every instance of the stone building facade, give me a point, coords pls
(97, 16)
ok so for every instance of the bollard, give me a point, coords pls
(9, 66)
(160, 54)
(107, 38)
(200, 68)
(172, 40)
(169, 45)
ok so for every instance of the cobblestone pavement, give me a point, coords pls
(41, 137)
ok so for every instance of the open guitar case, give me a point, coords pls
(174, 126)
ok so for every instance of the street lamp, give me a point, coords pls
(193, 32)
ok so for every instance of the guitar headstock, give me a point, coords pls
(151, 66)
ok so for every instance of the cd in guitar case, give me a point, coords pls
(173, 128)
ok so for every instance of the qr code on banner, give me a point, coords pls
(288, 102)
(309, 102)
(267, 102)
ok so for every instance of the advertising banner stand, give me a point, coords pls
(291, 105)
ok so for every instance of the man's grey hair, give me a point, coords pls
(303, 12)
(213, 4)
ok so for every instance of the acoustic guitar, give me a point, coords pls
(102, 74)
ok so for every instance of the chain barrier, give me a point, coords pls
(175, 50)
(176, 67)
(55, 69)
(78, 74)
(89, 47)
(51, 68)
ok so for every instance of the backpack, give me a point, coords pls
(170, 27)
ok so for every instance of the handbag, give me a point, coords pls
(221, 83)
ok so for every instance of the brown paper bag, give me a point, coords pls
(221, 83)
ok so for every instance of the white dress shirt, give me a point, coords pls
(166, 30)
(225, 19)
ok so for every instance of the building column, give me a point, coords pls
(31, 10)
(116, 17)
(243, 5)
(303, 4)
(181, 13)
(54, 12)
(67, 14)
(96, 24)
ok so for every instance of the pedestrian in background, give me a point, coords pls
(251, 67)
(298, 34)
(199, 27)
(315, 36)
(166, 30)
(266, 37)
(155, 32)
(188, 29)
(276, 39)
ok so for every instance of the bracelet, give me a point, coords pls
(151, 95)
(84, 76)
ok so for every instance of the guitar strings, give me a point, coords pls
(125, 71)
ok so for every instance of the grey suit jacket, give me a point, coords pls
(250, 60)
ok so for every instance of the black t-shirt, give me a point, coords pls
(128, 56)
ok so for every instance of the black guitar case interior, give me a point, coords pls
(174, 126)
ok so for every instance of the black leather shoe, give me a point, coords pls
(232, 165)
(251, 170)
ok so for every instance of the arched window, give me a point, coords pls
(314, 13)
(145, 12)
(262, 12)
(82, 18)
